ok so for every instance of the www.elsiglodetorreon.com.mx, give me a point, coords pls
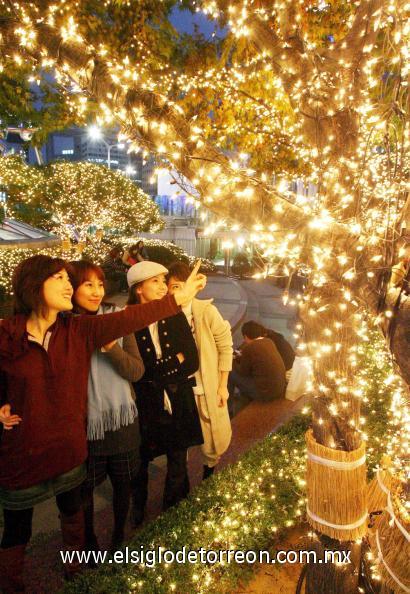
(155, 556)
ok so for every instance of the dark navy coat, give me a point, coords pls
(161, 431)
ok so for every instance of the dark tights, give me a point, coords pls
(176, 482)
(120, 503)
(17, 523)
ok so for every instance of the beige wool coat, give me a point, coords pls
(214, 341)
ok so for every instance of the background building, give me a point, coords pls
(177, 207)
(97, 146)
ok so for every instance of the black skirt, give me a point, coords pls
(161, 431)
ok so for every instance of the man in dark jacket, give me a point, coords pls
(259, 372)
(284, 347)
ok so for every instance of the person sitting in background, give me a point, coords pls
(259, 371)
(127, 259)
(114, 269)
(112, 262)
(284, 347)
(136, 253)
(139, 251)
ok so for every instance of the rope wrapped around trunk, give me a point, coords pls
(390, 543)
(378, 491)
(336, 489)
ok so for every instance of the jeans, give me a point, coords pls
(247, 392)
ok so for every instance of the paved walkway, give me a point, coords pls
(237, 301)
(265, 305)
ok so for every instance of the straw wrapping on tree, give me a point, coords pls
(391, 545)
(378, 491)
(336, 490)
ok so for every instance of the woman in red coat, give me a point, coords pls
(44, 365)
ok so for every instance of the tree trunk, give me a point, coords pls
(331, 578)
(330, 323)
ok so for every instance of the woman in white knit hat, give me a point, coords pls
(168, 416)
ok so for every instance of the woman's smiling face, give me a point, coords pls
(57, 292)
(90, 293)
(152, 288)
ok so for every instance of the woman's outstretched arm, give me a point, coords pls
(102, 329)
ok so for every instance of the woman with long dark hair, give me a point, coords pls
(44, 365)
(169, 421)
(112, 426)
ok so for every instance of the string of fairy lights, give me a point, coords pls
(345, 120)
(79, 202)
(79, 196)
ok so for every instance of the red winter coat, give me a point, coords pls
(48, 389)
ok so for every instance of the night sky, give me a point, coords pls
(184, 21)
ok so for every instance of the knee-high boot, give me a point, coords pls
(72, 529)
(11, 569)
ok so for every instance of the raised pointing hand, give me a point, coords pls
(193, 284)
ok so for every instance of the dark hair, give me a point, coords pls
(133, 296)
(28, 279)
(115, 252)
(80, 272)
(179, 270)
(135, 248)
(253, 330)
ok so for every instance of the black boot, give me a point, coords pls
(120, 505)
(91, 542)
(91, 545)
(208, 471)
(137, 515)
(177, 480)
(117, 540)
